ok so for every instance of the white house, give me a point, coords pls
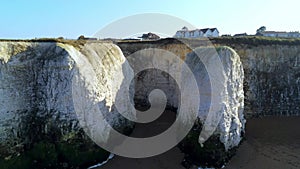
(294, 35)
(280, 34)
(197, 33)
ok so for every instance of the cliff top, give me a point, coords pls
(75, 43)
(255, 40)
(249, 40)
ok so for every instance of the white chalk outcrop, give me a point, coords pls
(219, 75)
(38, 86)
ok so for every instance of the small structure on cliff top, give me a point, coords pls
(150, 36)
(241, 34)
(197, 33)
(262, 31)
(86, 38)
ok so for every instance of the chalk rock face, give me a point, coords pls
(232, 123)
(224, 88)
(34, 92)
(219, 75)
(51, 91)
(39, 87)
(272, 79)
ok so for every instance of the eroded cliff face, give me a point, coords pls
(221, 122)
(42, 97)
(219, 76)
(271, 82)
(272, 79)
(222, 90)
(51, 93)
(35, 92)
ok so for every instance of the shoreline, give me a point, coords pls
(271, 142)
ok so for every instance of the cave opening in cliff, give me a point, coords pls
(144, 83)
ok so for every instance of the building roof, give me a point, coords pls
(150, 36)
(185, 28)
(294, 33)
(272, 32)
(213, 29)
(204, 30)
(241, 34)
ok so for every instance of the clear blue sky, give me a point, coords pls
(71, 18)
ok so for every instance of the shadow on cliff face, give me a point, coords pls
(48, 132)
(39, 128)
(213, 153)
(145, 82)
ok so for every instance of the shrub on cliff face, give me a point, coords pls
(59, 155)
(211, 154)
(49, 146)
(42, 155)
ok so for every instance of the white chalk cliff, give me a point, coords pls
(42, 87)
(219, 76)
(47, 84)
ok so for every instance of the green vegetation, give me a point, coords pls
(212, 154)
(255, 40)
(80, 155)
(54, 148)
(75, 43)
(58, 155)
(229, 40)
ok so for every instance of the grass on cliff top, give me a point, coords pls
(256, 40)
(227, 41)
(74, 42)
(247, 40)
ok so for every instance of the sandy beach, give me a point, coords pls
(271, 143)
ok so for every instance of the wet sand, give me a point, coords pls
(168, 160)
(271, 143)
